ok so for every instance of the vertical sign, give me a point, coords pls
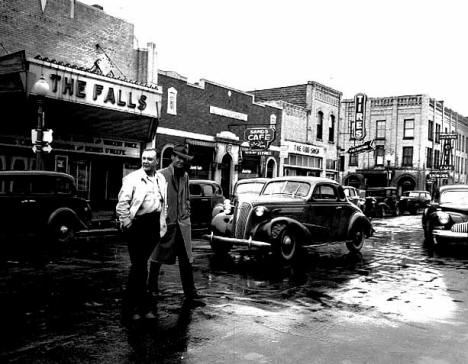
(358, 132)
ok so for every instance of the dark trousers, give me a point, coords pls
(185, 268)
(141, 237)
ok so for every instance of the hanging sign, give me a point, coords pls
(358, 131)
(259, 138)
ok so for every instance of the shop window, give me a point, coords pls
(81, 171)
(172, 101)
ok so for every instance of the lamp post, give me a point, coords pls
(40, 89)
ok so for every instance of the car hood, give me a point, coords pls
(277, 199)
(461, 208)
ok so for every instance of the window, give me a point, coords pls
(331, 130)
(353, 159)
(319, 125)
(195, 190)
(380, 129)
(430, 130)
(379, 155)
(408, 132)
(172, 101)
(436, 158)
(428, 157)
(437, 134)
(324, 192)
(407, 157)
(208, 190)
(273, 120)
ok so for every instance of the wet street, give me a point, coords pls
(397, 302)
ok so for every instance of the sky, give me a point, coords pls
(379, 47)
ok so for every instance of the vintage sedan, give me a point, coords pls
(205, 195)
(446, 217)
(412, 201)
(290, 214)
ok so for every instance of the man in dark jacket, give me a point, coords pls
(177, 242)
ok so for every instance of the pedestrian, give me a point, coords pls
(139, 207)
(177, 242)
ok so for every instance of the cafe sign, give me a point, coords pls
(259, 138)
(74, 85)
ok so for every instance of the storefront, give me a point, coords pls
(100, 124)
(302, 160)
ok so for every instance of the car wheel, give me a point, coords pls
(286, 247)
(62, 230)
(357, 242)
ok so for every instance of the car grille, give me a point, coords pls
(242, 217)
(460, 227)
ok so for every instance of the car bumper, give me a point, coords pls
(448, 234)
(235, 241)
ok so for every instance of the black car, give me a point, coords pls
(291, 213)
(446, 217)
(42, 202)
(412, 201)
(353, 195)
(382, 201)
(204, 196)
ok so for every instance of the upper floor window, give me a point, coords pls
(430, 130)
(331, 130)
(380, 129)
(437, 133)
(407, 157)
(172, 101)
(353, 159)
(408, 132)
(379, 155)
(428, 157)
(320, 125)
(273, 120)
(436, 158)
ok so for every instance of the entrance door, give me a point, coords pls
(226, 175)
(106, 180)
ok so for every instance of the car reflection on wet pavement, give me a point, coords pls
(397, 301)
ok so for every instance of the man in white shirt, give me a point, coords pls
(141, 214)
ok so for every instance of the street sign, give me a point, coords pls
(365, 147)
(446, 167)
(437, 174)
(448, 136)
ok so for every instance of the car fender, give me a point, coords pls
(360, 219)
(263, 231)
(69, 213)
(220, 222)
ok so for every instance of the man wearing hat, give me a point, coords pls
(177, 242)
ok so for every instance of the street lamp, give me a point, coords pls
(40, 89)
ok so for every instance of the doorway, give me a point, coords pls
(226, 165)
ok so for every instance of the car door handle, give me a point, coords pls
(339, 207)
(28, 201)
(204, 199)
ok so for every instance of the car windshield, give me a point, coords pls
(454, 196)
(292, 188)
(251, 187)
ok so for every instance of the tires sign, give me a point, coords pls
(358, 131)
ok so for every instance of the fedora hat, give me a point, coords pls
(182, 151)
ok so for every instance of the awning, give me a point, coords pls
(12, 69)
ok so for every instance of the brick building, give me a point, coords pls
(309, 132)
(102, 102)
(408, 133)
(214, 121)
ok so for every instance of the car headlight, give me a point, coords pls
(227, 206)
(443, 217)
(260, 211)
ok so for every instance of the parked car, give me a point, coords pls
(243, 188)
(42, 202)
(291, 213)
(446, 217)
(382, 200)
(204, 196)
(412, 201)
(353, 195)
